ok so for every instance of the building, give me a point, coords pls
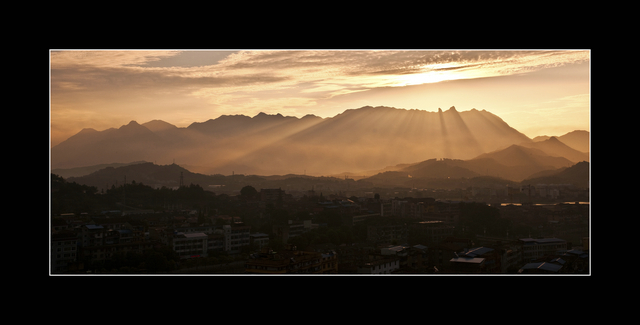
(199, 241)
(491, 259)
(540, 268)
(430, 231)
(413, 259)
(535, 248)
(380, 266)
(102, 253)
(293, 228)
(259, 240)
(289, 261)
(467, 265)
(64, 252)
(387, 234)
(272, 195)
(329, 263)
(190, 245)
(351, 220)
(440, 255)
(236, 236)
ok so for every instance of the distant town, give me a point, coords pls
(306, 227)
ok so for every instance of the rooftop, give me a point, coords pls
(470, 260)
(541, 240)
(478, 251)
(541, 266)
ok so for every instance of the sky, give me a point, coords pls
(537, 92)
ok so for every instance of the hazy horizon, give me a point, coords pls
(536, 92)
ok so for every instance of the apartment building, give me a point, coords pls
(380, 266)
(534, 248)
(198, 241)
(190, 245)
(64, 251)
(259, 240)
(387, 234)
(430, 231)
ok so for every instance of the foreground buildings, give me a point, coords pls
(403, 236)
(291, 261)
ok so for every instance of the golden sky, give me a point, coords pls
(538, 92)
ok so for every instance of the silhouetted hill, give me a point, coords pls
(82, 171)
(516, 155)
(131, 142)
(367, 138)
(577, 175)
(578, 140)
(147, 173)
(445, 168)
(159, 126)
(512, 164)
(556, 148)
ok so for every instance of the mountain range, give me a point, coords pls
(363, 141)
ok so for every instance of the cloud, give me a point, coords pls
(259, 80)
(301, 70)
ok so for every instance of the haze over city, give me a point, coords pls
(537, 92)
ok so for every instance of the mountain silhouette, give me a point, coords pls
(146, 173)
(554, 147)
(577, 175)
(578, 140)
(367, 138)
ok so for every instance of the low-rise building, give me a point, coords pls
(190, 245)
(430, 231)
(259, 240)
(199, 241)
(385, 234)
(380, 266)
(467, 265)
(540, 268)
(534, 248)
(289, 261)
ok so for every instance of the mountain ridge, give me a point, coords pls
(367, 138)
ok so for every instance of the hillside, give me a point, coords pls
(577, 175)
(82, 171)
(555, 147)
(510, 165)
(578, 140)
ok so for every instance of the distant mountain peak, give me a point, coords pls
(87, 130)
(265, 115)
(158, 125)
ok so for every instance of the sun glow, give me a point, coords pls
(422, 78)
(435, 73)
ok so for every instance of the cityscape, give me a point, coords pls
(262, 163)
(337, 230)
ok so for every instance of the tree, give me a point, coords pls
(156, 262)
(249, 192)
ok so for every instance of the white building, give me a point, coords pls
(189, 245)
(382, 266)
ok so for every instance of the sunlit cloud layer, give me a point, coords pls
(101, 89)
